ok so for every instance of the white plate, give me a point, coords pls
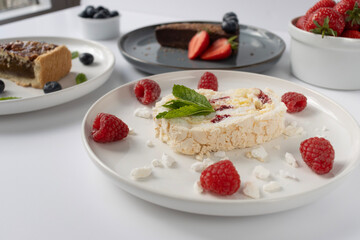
(35, 99)
(173, 187)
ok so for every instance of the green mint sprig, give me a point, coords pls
(80, 78)
(74, 54)
(188, 103)
(8, 98)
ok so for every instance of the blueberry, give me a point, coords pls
(231, 18)
(229, 14)
(2, 86)
(52, 87)
(106, 12)
(99, 8)
(114, 13)
(86, 58)
(83, 14)
(99, 15)
(229, 26)
(90, 11)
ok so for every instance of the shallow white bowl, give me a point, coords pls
(101, 29)
(330, 62)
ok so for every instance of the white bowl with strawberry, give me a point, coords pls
(325, 44)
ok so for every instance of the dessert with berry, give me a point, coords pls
(32, 64)
(203, 120)
(198, 36)
(326, 17)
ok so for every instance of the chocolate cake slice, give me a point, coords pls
(32, 64)
(178, 35)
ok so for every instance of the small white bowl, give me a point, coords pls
(329, 62)
(101, 28)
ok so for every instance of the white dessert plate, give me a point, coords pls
(34, 99)
(174, 187)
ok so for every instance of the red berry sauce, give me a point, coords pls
(218, 118)
(223, 107)
(264, 98)
(218, 99)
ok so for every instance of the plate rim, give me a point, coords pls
(108, 69)
(122, 40)
(112, 174)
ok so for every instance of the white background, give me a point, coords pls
(49, 188)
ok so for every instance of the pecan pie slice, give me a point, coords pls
(32, 64)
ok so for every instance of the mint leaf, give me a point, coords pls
(80, 78)
(188, 103)
(74, 54)
(175, 104)
(190, 95)
(184, 111)
(161, 115)
(8, 98)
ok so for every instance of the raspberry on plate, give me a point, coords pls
(221, 178)
(318, 154)
(208, 81)
(147, 91)
(295, 102)
(108, 128)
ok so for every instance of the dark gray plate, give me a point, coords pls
(258, 51)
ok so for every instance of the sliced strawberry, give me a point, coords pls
(198, 43)
(220, 49)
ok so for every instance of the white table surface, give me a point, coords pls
(50, 189)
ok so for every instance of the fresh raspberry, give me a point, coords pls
(221, 178)
(318, 154)
(295, 102)
(108, 128)
(147, 91)
(208, 81)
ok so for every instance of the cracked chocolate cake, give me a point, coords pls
(32, 64)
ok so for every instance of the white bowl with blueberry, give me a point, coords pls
(100, 23)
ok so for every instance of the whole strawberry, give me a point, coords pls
(350, 10)
(318, 154)
(325, 21)
(108, 128)
(208, 81)
(351, 34)
(221, 178)
(300, 23)
(320, 4)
